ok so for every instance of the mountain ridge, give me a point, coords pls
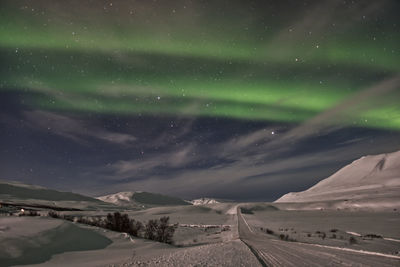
(373, 177)
(139, 198)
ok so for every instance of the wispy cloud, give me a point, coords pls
(128, 168)
(74, 128)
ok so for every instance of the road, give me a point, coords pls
(271, 252)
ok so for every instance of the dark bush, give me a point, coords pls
(136, 228)
(68, 218)
(286, 238)
(372, 236)
(352, 240)
(29, 213)
(334, 230)
(118, 222)
(53, 214)
(151, 229)
(164, 231)
(323, 235)
(158, 230)
(269, 231)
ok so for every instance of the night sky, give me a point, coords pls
(240, 100)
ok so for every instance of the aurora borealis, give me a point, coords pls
(204, 83)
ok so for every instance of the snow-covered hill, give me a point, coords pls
(203, 201)
(121, 198)
(16, 190)
(139, 198)
(371, 181)
(32, 195)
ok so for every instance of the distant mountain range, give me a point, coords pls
(371, 181)
(31, 195)
(141, 198)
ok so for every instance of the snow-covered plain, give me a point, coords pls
(371, 229)
(206, 244)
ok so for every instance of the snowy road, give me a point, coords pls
(271, 252)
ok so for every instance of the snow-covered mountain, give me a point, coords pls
(121, 198)
(139, 198)
(369, 181)
(203, 201)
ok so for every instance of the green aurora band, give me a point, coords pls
(131, 67)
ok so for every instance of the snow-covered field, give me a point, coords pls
(198, 240)
(332, 228)
(195, 243)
